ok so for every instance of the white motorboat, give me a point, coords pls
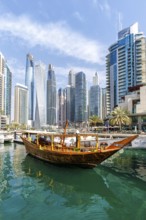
(1, 138)
(6, 137)
(139, 142)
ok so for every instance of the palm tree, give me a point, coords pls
(120, 117)
(94, 119)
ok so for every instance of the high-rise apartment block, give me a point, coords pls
(8, 91)
(125, 65)
(2, 88)
(5, 88)
(21, 104)
(103, 108)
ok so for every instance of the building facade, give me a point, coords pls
(2, 82)
(125, 65)
(8, 92)
(80, 97)
(61, 107)
(103, 104)
(70, 103)
(21, 104)
(135, 103)
(29, 82)
(95, 98)
(94, 101)
(71, 78)
(39, 95)
(51, 96)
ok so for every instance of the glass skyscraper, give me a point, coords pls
(39, 95)
(94, 101)
(51, 96)
(8, 91)
(70, 97)
(94, 98)
(29, 82)
(125, 65)
(71, 78)
(80, 97)
(70, 103)
(2, 69)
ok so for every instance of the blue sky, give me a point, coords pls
(69, 34)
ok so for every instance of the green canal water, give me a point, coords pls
(31, 189)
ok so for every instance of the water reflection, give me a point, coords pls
(110, 189)
(34, 189)
(130, 161)
(68, 182)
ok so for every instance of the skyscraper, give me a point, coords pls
(2, 69)
(21, 104)
(71, 78)
(70, 103)
(125, 64)
(94, 98)
(51, 96)
(39, 95)
(29, 82)
(61, 107)
(103, 103)
(8, 91)
(95, 79)
(80, 97)
(70, 97)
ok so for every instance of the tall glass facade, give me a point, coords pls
(80, 97)
(29, 82)
(8, 91)
(125, 65)
(40, 95)
(2, 66)
(71, 78)
(51, 97)
(70, 103)
(94, 101)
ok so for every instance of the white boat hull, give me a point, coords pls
(139, 143)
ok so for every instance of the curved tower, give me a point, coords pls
(40, 95)
(29, 82)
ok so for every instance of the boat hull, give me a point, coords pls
(63, 155)
(81, 159)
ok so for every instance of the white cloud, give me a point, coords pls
(103, 6)
(78, 16)
(54, 36)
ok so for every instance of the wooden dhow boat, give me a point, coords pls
(81, 150)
